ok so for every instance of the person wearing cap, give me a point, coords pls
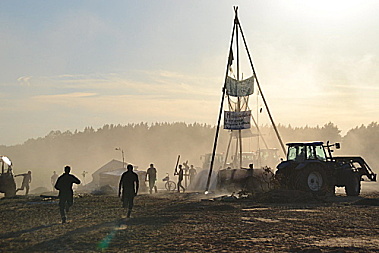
(66, 194)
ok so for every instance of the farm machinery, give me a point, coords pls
(311, 167)
(7, 182)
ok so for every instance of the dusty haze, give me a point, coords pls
(161, 143)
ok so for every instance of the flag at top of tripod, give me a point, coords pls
(241, 88)
(230, 58)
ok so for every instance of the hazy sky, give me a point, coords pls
(67, 64)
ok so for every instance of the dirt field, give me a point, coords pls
(171, 222)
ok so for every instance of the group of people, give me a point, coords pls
(186, 171)
(63, 184)
(128, 186)
(129, 183)
(128, 189)
(27, 179)
(151, 176)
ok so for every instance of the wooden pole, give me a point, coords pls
(221, 107)
(236, 21)
(260, 90)
(176, 166)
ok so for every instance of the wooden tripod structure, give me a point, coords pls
(235, 34)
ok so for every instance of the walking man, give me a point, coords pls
(66, 194)
(151, 175)
(25, 182)
(129, 184)
(180, 174)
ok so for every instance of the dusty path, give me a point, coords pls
(182, 222)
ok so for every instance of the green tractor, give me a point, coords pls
(311, 167)
(7, 182)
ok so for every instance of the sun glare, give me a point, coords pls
(326, 9)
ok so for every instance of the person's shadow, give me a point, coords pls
(19, 233)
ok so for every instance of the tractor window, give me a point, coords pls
(296, 153)
(320, 153)
(291, 155)
(311, 155)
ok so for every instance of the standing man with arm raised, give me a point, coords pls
(180, 175)
(128, 186)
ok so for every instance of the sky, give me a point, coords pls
(66, 65)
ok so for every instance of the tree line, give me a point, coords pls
(161, 143)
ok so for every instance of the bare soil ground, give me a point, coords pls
(172, 222)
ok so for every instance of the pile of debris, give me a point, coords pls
(272, 196)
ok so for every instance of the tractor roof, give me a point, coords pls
(311, 143)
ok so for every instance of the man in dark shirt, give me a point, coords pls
(66, 195)
(180, 174)
(151, 175)
(129, 184)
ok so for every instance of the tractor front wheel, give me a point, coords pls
(353, 185)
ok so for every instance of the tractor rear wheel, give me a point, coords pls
(353, 185)
(312, 179)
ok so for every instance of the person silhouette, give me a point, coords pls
(192, 173)
(66, 194)
(25, 182)
(180, 175)
(151, 175)
(128, 186)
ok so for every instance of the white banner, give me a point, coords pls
(239, 88)
(237, 120)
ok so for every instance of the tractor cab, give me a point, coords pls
(303, 151)
(299, 152)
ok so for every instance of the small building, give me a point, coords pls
(110, 174)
